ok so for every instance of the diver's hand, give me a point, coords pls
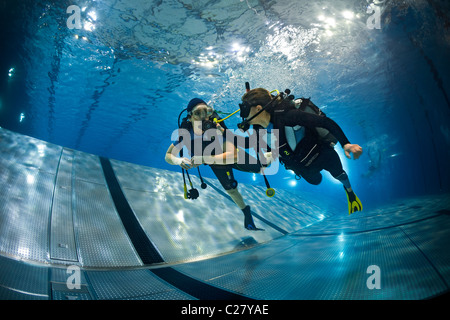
(352, 148)
(184, 163)
(220, 128)
(196, 161)
(269, 158)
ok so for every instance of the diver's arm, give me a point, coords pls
(172, 159)
(225, 158)
(296, 117)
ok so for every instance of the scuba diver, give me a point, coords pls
(306, 137)
(201, 131)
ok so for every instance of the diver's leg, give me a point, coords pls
(311, 174)
(237, 198)
(226, 178)
(314, 178)
(332, 163)
(343, 178)
(334, 166)
(247, 163)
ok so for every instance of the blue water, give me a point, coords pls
(115, 87)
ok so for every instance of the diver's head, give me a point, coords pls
(200, 116)
(198, 110)
(252, 103)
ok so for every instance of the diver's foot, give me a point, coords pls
(249, 224)
(354, 204)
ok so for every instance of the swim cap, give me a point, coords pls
(193, 103)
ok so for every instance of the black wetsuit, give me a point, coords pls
(224, 173)
(311, 154)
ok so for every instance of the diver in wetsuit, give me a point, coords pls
(223, 157)
(301, 147)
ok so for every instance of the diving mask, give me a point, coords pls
(245, 112)
(245, 109)
(202, 112)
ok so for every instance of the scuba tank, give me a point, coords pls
(307, 105)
